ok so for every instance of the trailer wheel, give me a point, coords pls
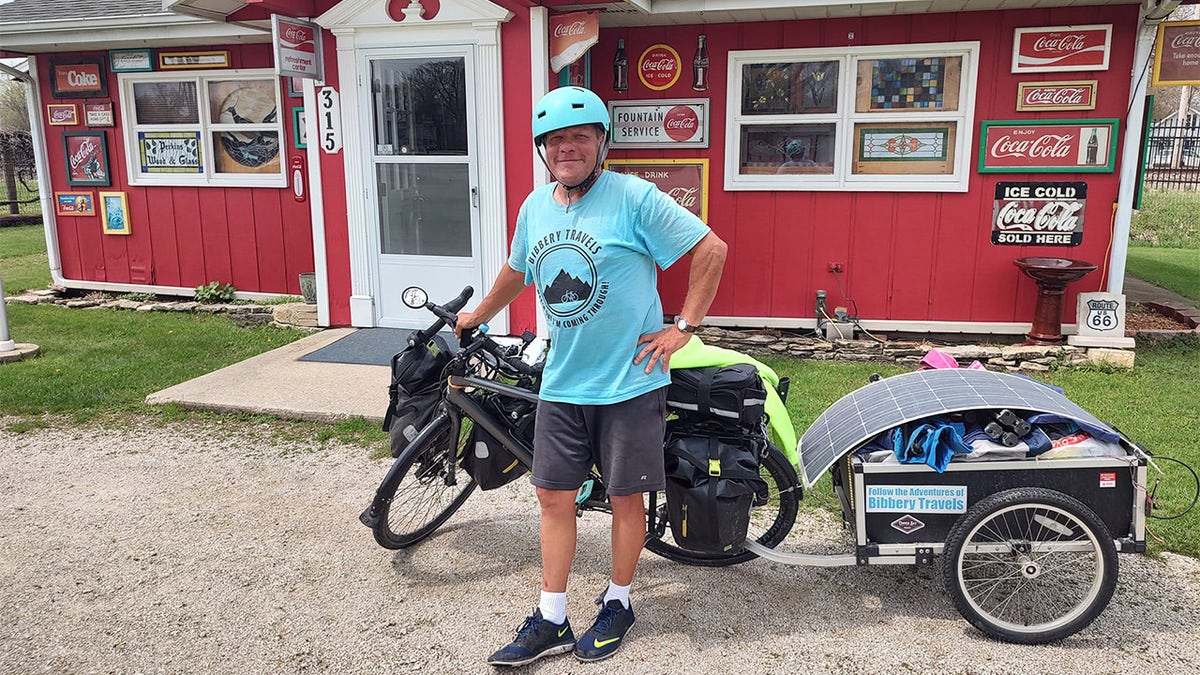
(1030, 565)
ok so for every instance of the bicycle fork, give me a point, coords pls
(370, 516)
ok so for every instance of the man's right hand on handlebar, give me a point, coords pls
(467, 321)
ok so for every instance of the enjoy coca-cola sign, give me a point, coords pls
(684, 180)
(1061, 48)
(659, 67)
(1079, 95)
(657, 123)
(1066, 146)
(1177, 54)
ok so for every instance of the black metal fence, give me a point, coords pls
(18, 177)
(1173, 156)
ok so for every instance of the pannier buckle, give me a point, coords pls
(714, 467)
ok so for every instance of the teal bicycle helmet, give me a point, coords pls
(567, 107)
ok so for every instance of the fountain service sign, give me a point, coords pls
(1038, 214)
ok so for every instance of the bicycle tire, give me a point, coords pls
(1030, 565)
(422, 501)
(769, 524)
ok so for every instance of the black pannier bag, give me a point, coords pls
(489, 462)
(415, 389)
(712, 483)
(732, 394)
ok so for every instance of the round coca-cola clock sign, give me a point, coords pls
(659, 67)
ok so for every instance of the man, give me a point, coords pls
(590, 243)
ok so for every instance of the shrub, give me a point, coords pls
(214, 292)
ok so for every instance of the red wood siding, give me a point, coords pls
(258, 239)
(908, 256)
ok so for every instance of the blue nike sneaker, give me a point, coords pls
(607, 634)
(536, 638)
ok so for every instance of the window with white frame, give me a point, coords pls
(213, 127)
(883, 118)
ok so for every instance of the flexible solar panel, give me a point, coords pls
(865, 412)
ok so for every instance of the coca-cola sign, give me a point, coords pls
(1064, 146)
(1077, 95)
(86, 155)
(676, 123)
(62, 114)
(571, 36)
(83, 78)
(1061, 48)
(684, 180)
(298, 51)
(1177, 54)
(1038, 214)
(659, 67)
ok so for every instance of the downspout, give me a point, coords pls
(1148, 22)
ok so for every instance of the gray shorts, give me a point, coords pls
(625, 440)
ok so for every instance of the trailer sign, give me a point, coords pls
(1038, 214)
(916, 498)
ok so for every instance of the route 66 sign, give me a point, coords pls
(1102, 314)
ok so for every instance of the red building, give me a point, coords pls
(870, 138)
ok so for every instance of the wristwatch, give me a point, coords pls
(683, 325)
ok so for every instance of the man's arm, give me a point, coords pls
(508, 285)
(708, 261)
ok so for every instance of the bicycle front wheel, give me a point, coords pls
(769, 523)
(430, 488)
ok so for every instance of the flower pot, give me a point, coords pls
(308, 287)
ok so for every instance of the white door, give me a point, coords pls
(422, 176)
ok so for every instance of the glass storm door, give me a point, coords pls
(423, 170)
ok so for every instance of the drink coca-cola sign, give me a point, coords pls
(86, 157)
(659, 67)
(298, 51)
(1077, 95)
(684, 180)
(657, 123)
(1063, 146)
(1038, 214)
(1177, 54)
(82, 78)
(1061, 48)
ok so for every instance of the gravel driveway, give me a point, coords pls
(211, 549)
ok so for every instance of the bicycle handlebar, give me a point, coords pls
(447, 314)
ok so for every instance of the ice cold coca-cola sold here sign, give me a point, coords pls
(1046, 146)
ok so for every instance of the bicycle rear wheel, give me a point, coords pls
(431, 487)
(769, 523)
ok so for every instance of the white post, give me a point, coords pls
(6, 343)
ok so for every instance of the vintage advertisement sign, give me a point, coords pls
(1061, 48)
(86, 158)
(1074, 95)
(659, 67)
(916, 499)
(170, 152)
(1048, 146)
(571, 35)
(62, 114)
(74, 204)
(685, 180)
(1177, 54)
(83, 78)
(1038, 214)
(297, 46)
(130, 60)
(98, 114)
(659, 123)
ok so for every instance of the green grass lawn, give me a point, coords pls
(1177, 269)
(23, 262)
(1168, 218)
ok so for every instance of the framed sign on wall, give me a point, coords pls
(114, 212)
(74, 204)
(684, 180)
(81, 77)
(1061, 48)
(1177, 54)
(1073, 95)
(1048, 146)
(62, 114)
(87, 158)
(659, 123)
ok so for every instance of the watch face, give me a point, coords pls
(682, 324)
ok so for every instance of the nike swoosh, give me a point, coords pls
(564, 631)
(600, 643)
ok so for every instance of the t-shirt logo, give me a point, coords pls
(571, 292)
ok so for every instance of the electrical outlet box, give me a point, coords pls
(837, 267)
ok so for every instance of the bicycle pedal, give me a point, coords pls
(585, 492)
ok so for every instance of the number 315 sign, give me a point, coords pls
(329, 119)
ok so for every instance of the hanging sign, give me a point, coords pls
(298, 50)
(329, 120)
(1076, 95)
(81, 78)
(1038, 214)
(1061, 48)
(659, 67)
(659, 123)
(684, 180)
(1048, 146)
(1177, 54)
(571, 35)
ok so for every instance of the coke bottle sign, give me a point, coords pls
(1062, 146)
(1061, 48)
(1177, 54)
(659, 67)
(1078, 95)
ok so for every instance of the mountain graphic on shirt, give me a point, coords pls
(566, 288)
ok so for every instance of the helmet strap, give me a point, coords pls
(587, 183)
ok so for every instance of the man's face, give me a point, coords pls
(571, 153)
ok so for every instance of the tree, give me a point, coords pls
(14, 112)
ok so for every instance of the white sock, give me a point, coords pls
(553, 606)
(616, 592)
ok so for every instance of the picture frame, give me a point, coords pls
(1064, 95)
(99, 114)
(114, 213)
(684, 180)
(130, 60)
(213, 58)
(1048, 49)
(86, 158)
(1176, 49)
(170, 152)
(62, 114)
(74, 204)
(1048, 146)
(299, 129)
(79, 77)
(659, 123)
(295, 86)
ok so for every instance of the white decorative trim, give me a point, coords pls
(316, 204)
(539, 56)
(883, 325)
(489, 142)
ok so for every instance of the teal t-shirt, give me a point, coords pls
(593, 265)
